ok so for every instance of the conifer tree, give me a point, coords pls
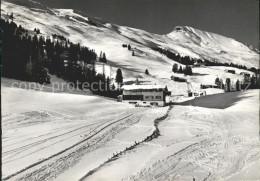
(100, 56)
(29, 70)
(180, 70)
(221, 84)
(104, 58)
(175, 68)
(12, 17)
(228, 81)
(27, 58)
(113, 87)
(238, 85)
(187, 70)
(217, 81)
(119, 76)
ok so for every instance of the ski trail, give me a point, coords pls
(155, 134)
(65, 150)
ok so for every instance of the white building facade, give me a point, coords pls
(153, 95)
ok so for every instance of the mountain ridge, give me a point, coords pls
(104, 36)
(202, 39)
(107, 37)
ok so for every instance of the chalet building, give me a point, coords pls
(145, 94)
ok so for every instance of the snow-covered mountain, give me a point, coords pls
(107, 37)
(183, 40)
(212, 46)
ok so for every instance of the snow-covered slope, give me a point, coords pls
(212, 46)
(65, 136)
(46, 134)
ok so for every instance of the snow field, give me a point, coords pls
(46, 134)
(196, 142)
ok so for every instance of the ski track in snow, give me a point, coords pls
(96, 131)
(194, 142)
(154, 135)
(44, 143)
(222, 150)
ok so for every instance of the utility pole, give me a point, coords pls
(103, 69)
(110, 72)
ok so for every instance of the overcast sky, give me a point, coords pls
(238, 19)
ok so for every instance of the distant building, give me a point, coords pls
(245, 73)
(196, 93)
(178, 79)
(145, 94)
(198, 64)
(206, 86)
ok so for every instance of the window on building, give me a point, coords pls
(154, 103)
(149, 97)
(158, 97)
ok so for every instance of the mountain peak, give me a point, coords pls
(182, 28)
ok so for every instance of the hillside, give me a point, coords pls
(102, 36)
(183, 40)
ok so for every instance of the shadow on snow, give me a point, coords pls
(217, 101)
